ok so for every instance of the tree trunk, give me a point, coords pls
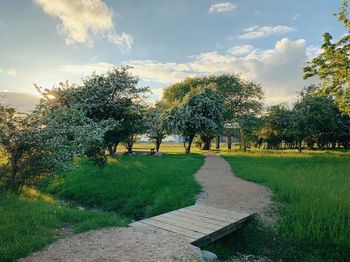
(229, 141)
(299, 147)
(218, 142)
(206, 142)
(188, 148)
(158, 142)
(111, 150)
(115, 148)
(129, 147)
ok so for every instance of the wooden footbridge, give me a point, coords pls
(200, 224)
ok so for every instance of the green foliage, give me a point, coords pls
(39, 143)
(132, 186)
(200, 113)
(156, 125)
(29, 225)
(314, 119)
(240, 96)
(332, 65)
(105, 97)
(249, 125)
(314, 190)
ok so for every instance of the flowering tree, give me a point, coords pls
(37, 144)
(157, 125)
(200, 113)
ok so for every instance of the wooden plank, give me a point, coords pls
(216, 212)
(218, 234)
(207, 215)
(198, 218)
(189, 226)
(182, 231)
(192, 221)
(224, 211)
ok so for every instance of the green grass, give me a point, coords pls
(132, 186)
(168, 148)
(28, 225)
(314, 188)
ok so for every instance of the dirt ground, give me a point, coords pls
(146, 243)
(226, 191)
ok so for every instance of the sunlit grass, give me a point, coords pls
(133, 186)
(167, 148)
(34, 194)
(314, 188)
(28, 225)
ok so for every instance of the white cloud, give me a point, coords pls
(80, 20)
(222, 7)
(240, 50)
(170, 72)
(9, 72)
(265, 31)
(125, 41)
(313, 51)
(278, 69)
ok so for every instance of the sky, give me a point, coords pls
(267, 41)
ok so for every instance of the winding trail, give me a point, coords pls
(146, 243)
(226, 191)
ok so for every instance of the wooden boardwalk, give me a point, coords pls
(199, 224)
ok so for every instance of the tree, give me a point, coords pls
(44, 141)
(240, 96)
(314, 119)
(249, 125)
(137, 125)
(332, 66)
(157, 126)
(277, 126)
(200, 112)
(113, 95)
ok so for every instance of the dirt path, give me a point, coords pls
(145, 243)
(224, 190)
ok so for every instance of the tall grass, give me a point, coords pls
(315, 191)
(132, 186)
(28, 225)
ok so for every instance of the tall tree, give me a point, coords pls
(44, 141)
(314, 118)
(332, 66)
(277, 126)
(113, 95)
(240, 96)
(157, 125)
(200, 113)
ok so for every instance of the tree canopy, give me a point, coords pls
(200, 113)
(332, 65)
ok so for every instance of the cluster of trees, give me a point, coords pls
(314, 120)
(108, 109)
(71, 121)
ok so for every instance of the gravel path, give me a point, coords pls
(226, 191)
(146, 243)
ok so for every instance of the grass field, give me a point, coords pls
(132, 186)
(28, 225)
(314, 188)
